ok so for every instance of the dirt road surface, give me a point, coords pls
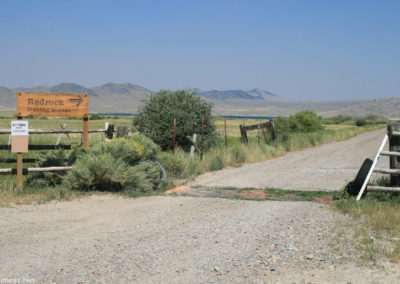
(328, 167)
(105, 239)
(181, 239)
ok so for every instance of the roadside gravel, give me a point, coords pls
(106, 239)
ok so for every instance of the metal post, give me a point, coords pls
(174, 137)
(202, 139)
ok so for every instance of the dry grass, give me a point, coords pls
(379, 216)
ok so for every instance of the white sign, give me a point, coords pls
(19, 128)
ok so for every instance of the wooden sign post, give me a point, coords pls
(19, 145)
(48, 105)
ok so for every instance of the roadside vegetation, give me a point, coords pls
(377, 222)
(297, 132)
(126, 165)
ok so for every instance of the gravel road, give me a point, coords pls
(181, 239)
(328, 167)
(105, 239)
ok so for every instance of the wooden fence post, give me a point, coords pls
(243, 133)
(122, 131)
(19, 167)
(263, 132)
(394, 145)
(226, 137)
(85, 132)
(246, 141)
(273, 129)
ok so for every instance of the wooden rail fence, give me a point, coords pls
(269, 125)
(108, 131)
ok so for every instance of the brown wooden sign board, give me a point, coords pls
(52, 105)
(19, 144)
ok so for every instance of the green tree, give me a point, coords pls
(156, 117)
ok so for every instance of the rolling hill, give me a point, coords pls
(128, 98)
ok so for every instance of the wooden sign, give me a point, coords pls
(53, 105)
(19, 144)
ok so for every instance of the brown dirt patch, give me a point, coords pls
(179, 189)
(253, 194)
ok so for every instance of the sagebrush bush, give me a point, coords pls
(155, 119)
(95, 171)
(116, 165)
(151, 171)
(172, 163)
(150, 148)
(126, 149)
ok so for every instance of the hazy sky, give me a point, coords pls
(324, 50)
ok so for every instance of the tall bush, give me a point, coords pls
(115, 166)
(304, 121)
(155, 118)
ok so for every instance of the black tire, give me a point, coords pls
(356, 185)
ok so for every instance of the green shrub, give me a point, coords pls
(339, 119)
(150, 148)
(113, 166)
(304, 121)
(57, 158)
(238, 154)
(217, 162)
(172, 163)
(374, 119)
(95, 117)
(98, 171)
(74, 155)
(155, 118)
(151, 172)
(308, 121)
(105, 172)
(125, 149)
(361, 122)
(193, 168)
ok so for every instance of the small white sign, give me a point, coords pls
(19, 128)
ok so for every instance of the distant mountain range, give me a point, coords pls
(128, 98)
